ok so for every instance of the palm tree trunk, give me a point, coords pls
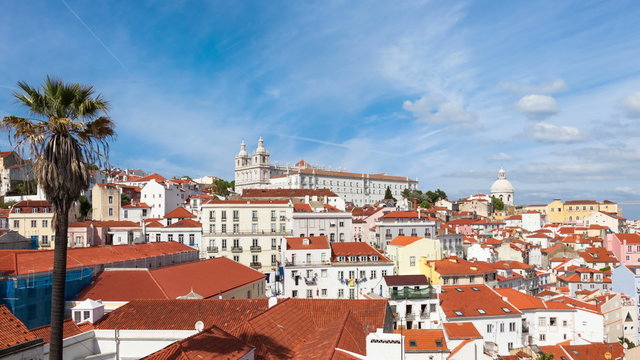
(58, 287)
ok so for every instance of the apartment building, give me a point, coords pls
(318, 219)
(247, 231)
(317, 268)
(403, 223)
(414, 303)
(105, 202)
(33, 219)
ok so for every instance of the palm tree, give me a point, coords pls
(66, 132)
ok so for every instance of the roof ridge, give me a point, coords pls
(157, 283)
(337, 340)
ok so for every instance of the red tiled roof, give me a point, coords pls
(247, 202)
(314, 243)
(404, 240)
(580, 202)
(185, 223)
(207, 278)
(354, 248)
(407, 214)
(156, 177)
(585, 352)
(18, 262)
(28, 206)
(629, 238)
(354, 175)
(527, 302)
(69, 329)
(423, 340)
(461, 330)
(460, 301)
(180, 213)
(598, 254)
(508, 264)
(113, 223)
(181, 314)
(212, 343)
(12, 330)
(287, 193)
(302, 208)
(454, 265)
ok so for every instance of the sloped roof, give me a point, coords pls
(185, 223)
(156, 177)
(461, 330)
(404, 240)
(69, 329)
(17, 262)
(286, 193)
(12, 330)
(206, 278)
(179, 212)
(212, 343)
(460, 301)
(423, 340)
(314, 243)
(354, 248)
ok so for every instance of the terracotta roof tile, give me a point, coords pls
(69, 329)
(180, 213)
(12, 330)
(461, 330)
(473, 301)
(354, 249)
(185, 223)
(424, 340)
(404, 240)
(311, 243)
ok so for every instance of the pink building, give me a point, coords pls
(97, 233)
(626, 247)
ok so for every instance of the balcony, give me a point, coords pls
(306, 263)
(274, 263)
(525, 329)
(256, 248)
(409, 317)
(274, 247)
(255, 219)
(236, 219)
(414, 234)
(213, 249)
(388, 236)
(411, 293)
(256, 265)
(236, 249)
(311, 281)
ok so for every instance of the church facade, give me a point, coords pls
(255, 171)
(502, 189)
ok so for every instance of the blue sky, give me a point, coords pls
(446, 92)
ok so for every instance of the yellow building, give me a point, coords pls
(555, 213)
(33, 219)
(407, 252)
(105, 201)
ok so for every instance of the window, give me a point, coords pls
(236, 243)
(212, 228)
(45, 223)
(170, 237)
(543, 337)
(564, 322)
(236, 215)
(224, 228)
(542, 321)
(512, 327)
(110, 199)
(274, 260)
(110, 211)
(340, 293)
(157, 237)
(501, 327)
(146, 237)
(212, 215)
(273, 215)
(323, 273)
(126, 214)
(34, 223)
(224, 244)
(294, 293)
(481, 311)
(254, 258)
(254, 215)
(86, 315)
(45, 239)
(489, 328)
(324, 292)
(223, 215)
(192, 239)
(340, 275)
(373, 274)
(273, 244)
(510, 346)
(309, 293)
(384, 272)
(236, 228)
(236, 258)
(552, 321)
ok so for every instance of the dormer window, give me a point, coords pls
(374, 258)
(363, 258)
(352, 258)
(305, 241)
(34, 210)
(340, 258)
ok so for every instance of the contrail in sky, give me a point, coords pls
(94, 35)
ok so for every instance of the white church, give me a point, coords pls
(256, 172)
(502, 189)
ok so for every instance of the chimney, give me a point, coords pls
(272, 301)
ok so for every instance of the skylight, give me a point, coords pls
(458, 290)
(481, 311)
(475, 289)
(459, 313)
(412, 343)
(507, 310)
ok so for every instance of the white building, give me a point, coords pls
(178, 225)
(413, 301)
(498, 321)
(164, 196)
(316, 268)
(318, 219)
(502, 189)
(255, 171)
(247, 231)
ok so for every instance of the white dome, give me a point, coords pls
(502, 185)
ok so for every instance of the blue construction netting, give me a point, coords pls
(29, 297)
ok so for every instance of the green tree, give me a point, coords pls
(7, 205)
(85, 206)
(545, 356)
(626, 342)
(125, 199)
(65, 130)
(222, 187)
(497, 203)
(388, 195)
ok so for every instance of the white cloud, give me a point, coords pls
(550, 133)
(537, 106)
(500, 157)
(549, 87)
(437, 109)
(626, 190)
(631, 105)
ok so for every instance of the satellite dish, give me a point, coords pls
(199, 326)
